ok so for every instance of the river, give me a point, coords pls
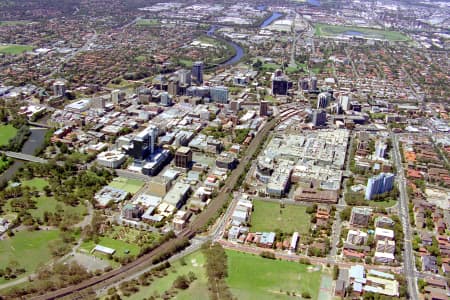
(34, 141)
(238, 49)
(239, 52)
(314, 2)
(269, 20)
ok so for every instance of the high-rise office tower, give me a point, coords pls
(319, 117)
(197, 72)
(166, 99)
(344, 100)
(172, 87)
(59, 88)
(184, 77)
(183, 157)
(323, 100)
(263, 108)
(280, 83)
(219, 94)
(117, 96)
(304, 84)
(144, 143)
(313, 84)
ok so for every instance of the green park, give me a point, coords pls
(128, 185)
(7, 132)
(191, 263)
(13, 49)
(13, 23)
(328, 30)
(270, 216)
(147, 22)
(48, 204)
(254, 277)
(27, 250)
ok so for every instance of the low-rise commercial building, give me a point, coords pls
(316, 196)
(111, 159)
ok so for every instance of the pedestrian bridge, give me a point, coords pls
(25, 157)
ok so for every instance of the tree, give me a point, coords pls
(192, 276)
(422, 284)
(345, 214)
(267, 254)
(335, 272)
(306, 295)
(181, 282)
(63, 148)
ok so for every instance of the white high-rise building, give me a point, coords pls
(166, 99)
(115, 96)
(344, 101)
(380, 150)
(153, 135)
(59, 88)
(184, 77)
(323, 99)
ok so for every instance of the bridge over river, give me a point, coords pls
(25, 157)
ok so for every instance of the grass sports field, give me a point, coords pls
(147, 22)
(7, 132)
(267, 217)
(13, 23)
(28, 248)
(254, 277)
(128, 185)
(14, 49)
(197, 290)
(328, 30)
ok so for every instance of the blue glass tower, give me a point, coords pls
(382, 183)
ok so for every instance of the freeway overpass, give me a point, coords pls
(25, 157)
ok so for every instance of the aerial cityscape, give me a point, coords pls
(258, 150)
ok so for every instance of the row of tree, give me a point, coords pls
(217, 271)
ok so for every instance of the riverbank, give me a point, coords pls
(33, 142)
(238, 50)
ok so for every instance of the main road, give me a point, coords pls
(145, 261)
(408, 255)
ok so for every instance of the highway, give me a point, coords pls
(408, 255)
(145, 261)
